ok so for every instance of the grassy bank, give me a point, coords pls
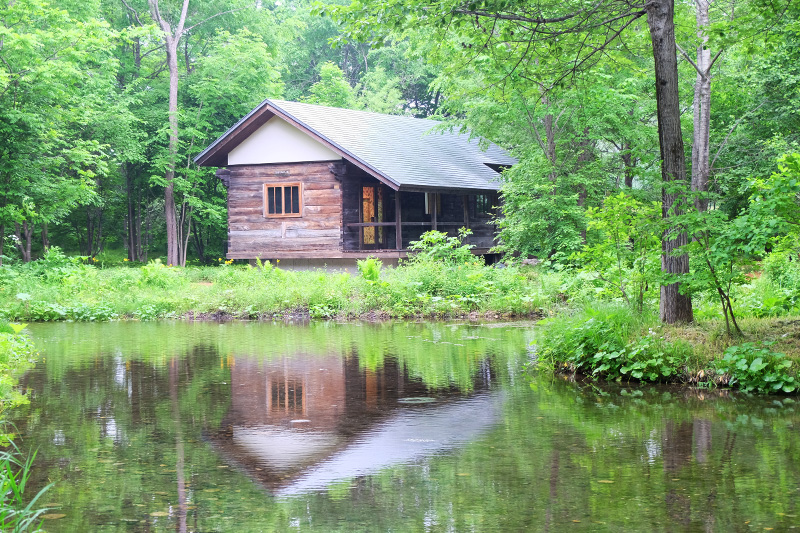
(608, 341)
(63, 288)
(588, 331)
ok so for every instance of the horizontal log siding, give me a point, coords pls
(317, 233)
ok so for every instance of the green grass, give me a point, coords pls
(62, 288)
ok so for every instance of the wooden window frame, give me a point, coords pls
(283, 187)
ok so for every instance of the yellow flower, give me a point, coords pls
(125, 259)
(220, 259)
(94, 259)
(277, 260)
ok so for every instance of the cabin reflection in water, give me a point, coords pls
(299, 423)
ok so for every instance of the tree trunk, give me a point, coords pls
(198, 243)
(628, 163)
(171, 42)
(674, 307)
(2, 241)
(173, 244)
(133, 227)
(99, 235)
(24, 235)
(89, 232)
(45, 238)
(702, 111)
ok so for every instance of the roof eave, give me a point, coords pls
(211, 156)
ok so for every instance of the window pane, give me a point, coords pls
(287, 200)
(295, 199)
(278, 200)
(271, 200)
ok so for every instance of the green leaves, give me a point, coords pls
(754, 368)
(597, 342)
(436, 246)
(625, 250)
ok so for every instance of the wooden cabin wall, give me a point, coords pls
(252, 235)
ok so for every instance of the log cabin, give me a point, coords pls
(320, 186)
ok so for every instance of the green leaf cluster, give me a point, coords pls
(757, 368)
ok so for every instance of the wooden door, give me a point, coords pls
(372, 210)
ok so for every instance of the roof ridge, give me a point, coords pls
(349, 110)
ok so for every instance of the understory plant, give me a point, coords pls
(17, 513)
(16, 356)
(624, 250)
(611, 343)
(757, 368)
(437, 246)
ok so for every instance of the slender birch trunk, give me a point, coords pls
(702, 110)
(171, 42)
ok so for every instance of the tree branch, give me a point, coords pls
(714, 60)
(520, 18)
(135, 13)
(735, 125)
(689, 59)
(190, 28)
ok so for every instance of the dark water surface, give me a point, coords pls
(384, 427)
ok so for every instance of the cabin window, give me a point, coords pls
(283, 200)
(286, 395)
(484, 204)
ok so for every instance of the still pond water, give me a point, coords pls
(390, 427)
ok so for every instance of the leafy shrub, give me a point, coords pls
(437, 246)
(370, 268)
(607, 343)
(156, 274)
(757, 369)
(624, 255)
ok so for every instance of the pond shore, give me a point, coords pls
(688, 354)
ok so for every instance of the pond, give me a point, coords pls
(384, 427)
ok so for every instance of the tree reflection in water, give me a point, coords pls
(195, 427)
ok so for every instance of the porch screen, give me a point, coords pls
(283, 200)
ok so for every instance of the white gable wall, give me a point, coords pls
(279, 142)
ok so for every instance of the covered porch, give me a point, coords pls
(384, 221)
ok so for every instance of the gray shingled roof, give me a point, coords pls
(403, 150)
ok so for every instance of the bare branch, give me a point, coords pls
(714, 60)
(735, 125)
(182, 21)
(689, 59)
(190, 28)
(520, 18)
(155, 12)
(135, 13)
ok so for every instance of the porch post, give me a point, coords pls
(398, 240)
(434, 200)
(466, 211)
